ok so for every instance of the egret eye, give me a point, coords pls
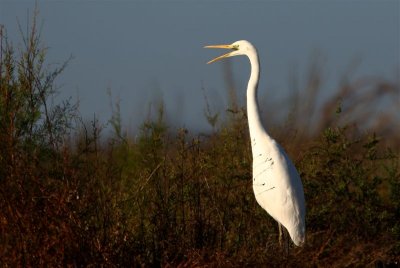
(235, 47)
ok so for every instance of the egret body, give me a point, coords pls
(276, 183)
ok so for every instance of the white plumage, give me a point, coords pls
(276, 183)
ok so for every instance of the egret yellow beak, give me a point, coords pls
(227, 55)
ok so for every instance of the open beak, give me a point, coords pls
(227, 55)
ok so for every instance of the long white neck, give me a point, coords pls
(255, 125)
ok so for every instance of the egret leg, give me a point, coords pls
(283, 239)
(286, 241)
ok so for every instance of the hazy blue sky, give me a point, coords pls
(145, 50)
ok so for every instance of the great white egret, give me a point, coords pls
(276, 183)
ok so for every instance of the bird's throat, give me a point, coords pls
(253, 113)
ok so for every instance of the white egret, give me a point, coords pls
(276, 183)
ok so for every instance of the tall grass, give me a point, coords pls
(75, 197)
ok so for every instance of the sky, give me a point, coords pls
(147, 51)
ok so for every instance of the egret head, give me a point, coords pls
(241, 47)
